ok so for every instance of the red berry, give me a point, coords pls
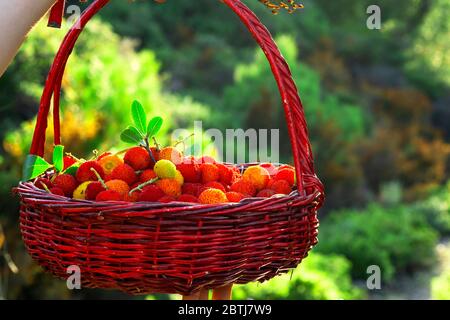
(234, 196)
(93, 189)
(280, 186)
(265, 193)
(151, 193)
(84, 172)
(187, 198)
(155, 154)
(210, 172)
(147, 175)
(105, 154)
(190, 171)
(287, 174)
(138, 158)
(67, 183)
(167, 199)
(125, 173)
(68, 161)
(191, 188)
(40, 182)
(245, 187)
(227, 175)
(109, 195)
(57, 191)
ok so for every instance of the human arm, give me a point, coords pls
(17, 17)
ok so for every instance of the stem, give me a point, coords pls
(142, 185)
(183, 141)
(45, 187)
(71, 155)
(147, 147)
(158, 146)
(99, 178)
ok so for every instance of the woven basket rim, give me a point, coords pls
(29, 192)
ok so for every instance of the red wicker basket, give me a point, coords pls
(174, 248)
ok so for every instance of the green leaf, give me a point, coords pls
(154, 126)
(34, 166)
(131, 135)
(72, 170)
(139, 117)
(58, 157)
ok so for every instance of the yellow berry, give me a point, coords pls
(80, 191)
(179, 178)
(165, 169)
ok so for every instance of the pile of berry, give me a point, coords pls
(164, 175)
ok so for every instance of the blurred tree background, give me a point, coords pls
(377, 104)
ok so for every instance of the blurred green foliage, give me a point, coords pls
(319, 277)
(394, 238)
(436, 210)
(440, 287)
(429, 62)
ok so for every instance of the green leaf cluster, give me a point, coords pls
(141, 131)
(35, 165)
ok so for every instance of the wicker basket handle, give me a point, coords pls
(294, 114)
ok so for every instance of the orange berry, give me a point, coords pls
(119, 186)
(212, 196)
(245, 187)
(210, 172)
(234, 196)
(170, 187)
(258, 176)
(109, 163)
(171, 154)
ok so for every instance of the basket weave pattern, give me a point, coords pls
(177, 247)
